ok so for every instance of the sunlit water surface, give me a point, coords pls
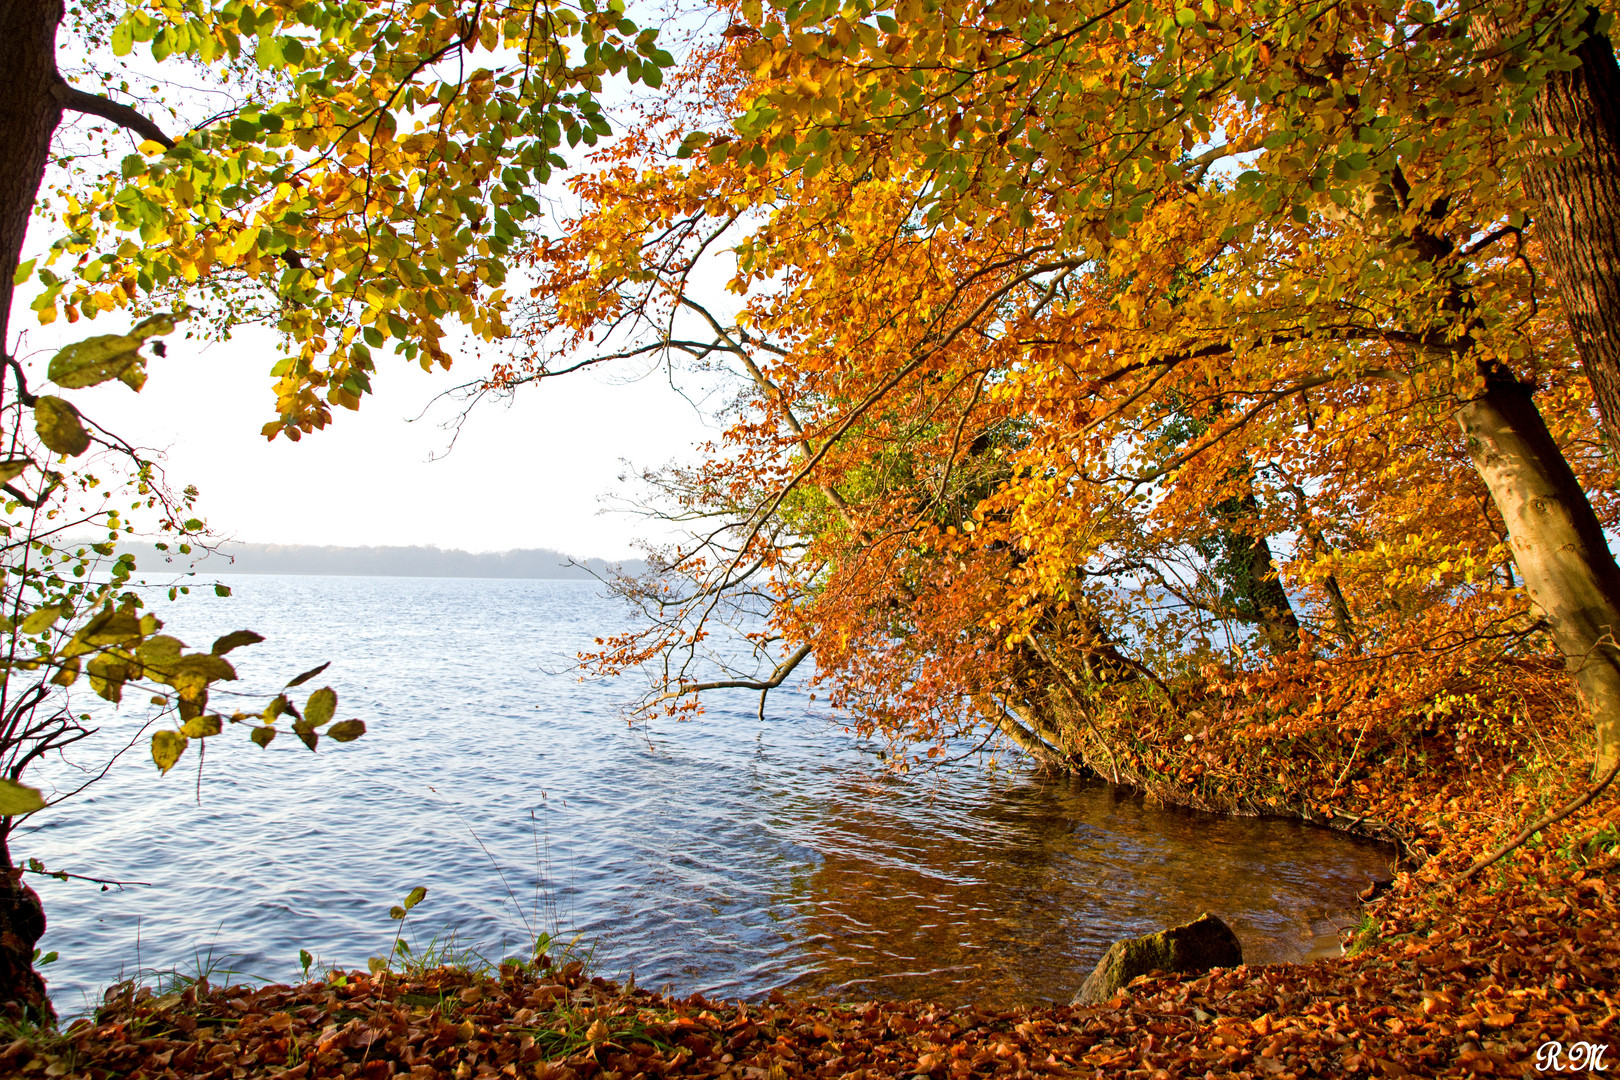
(729, 856)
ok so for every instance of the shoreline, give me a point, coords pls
(1440, 982)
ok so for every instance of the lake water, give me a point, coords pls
(728, 855)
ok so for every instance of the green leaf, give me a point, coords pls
(222, 590)
(396, 912)
(308, 675)
(160, 651)
(107, 674)
(123, 38)
(193, 699)
(112, 627)
(201, 727)
(235, 640)
(134, 376)
(320, 707)
(346, 731)
(262, 736)
(11, 468)
(41, 619)
(415, 896)
(204, 666)
(67, 674)
(23, 272)
(94, 360)
(167, 746)
(18, 798)
(57, 423)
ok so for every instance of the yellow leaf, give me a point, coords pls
(167, 746)
(18, 798)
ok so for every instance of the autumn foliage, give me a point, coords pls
(1102, 368)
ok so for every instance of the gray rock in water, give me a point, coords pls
(1190, 949)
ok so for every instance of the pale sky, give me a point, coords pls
(531, 474)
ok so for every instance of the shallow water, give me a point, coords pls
(728, 856)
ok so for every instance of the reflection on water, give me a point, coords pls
(728, 855)
(1017, 897)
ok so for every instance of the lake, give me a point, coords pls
(727, 855)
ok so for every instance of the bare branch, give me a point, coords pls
(1540, 823)
(105, 883)
(119, 113)
(783, 670)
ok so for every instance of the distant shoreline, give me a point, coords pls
(416, 561)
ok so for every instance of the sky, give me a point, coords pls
(529, 474)
(538, 472)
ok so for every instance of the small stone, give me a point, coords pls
(1190, 949)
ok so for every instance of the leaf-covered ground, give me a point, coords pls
(1446, 981)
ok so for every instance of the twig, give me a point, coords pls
(63, 875)
(1540, 823)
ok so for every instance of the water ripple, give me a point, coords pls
(727, 856)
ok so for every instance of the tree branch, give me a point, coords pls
(781, 672)
(1537, 825)
(63, 875)
(120, 114)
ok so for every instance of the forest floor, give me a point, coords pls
(1443, 980)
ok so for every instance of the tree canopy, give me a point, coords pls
(362, 182)
(1102, 364)
(1122, 352)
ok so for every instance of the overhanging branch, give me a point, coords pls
(777, 676)
(124, 116)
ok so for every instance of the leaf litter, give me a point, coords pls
(1441, 981)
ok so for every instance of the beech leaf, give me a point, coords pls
(235, 640)
(58, 425)
(18, 798)
(346, 730)
(167, 746)
(11, 468)
(308, 675)
(94, 360)
(201, 727)
(320, 707)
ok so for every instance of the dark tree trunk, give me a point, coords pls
(1243, 563)
(1578, 218)
(1557, 543)
(22, 921)
(1264, 594)
(29, 114)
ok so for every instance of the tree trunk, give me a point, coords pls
(1243, 559)
(1557, 543)
(1578, 218)
(22, 921)
(1265, 594)
(29, 114)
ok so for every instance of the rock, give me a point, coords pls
(1190, 949)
